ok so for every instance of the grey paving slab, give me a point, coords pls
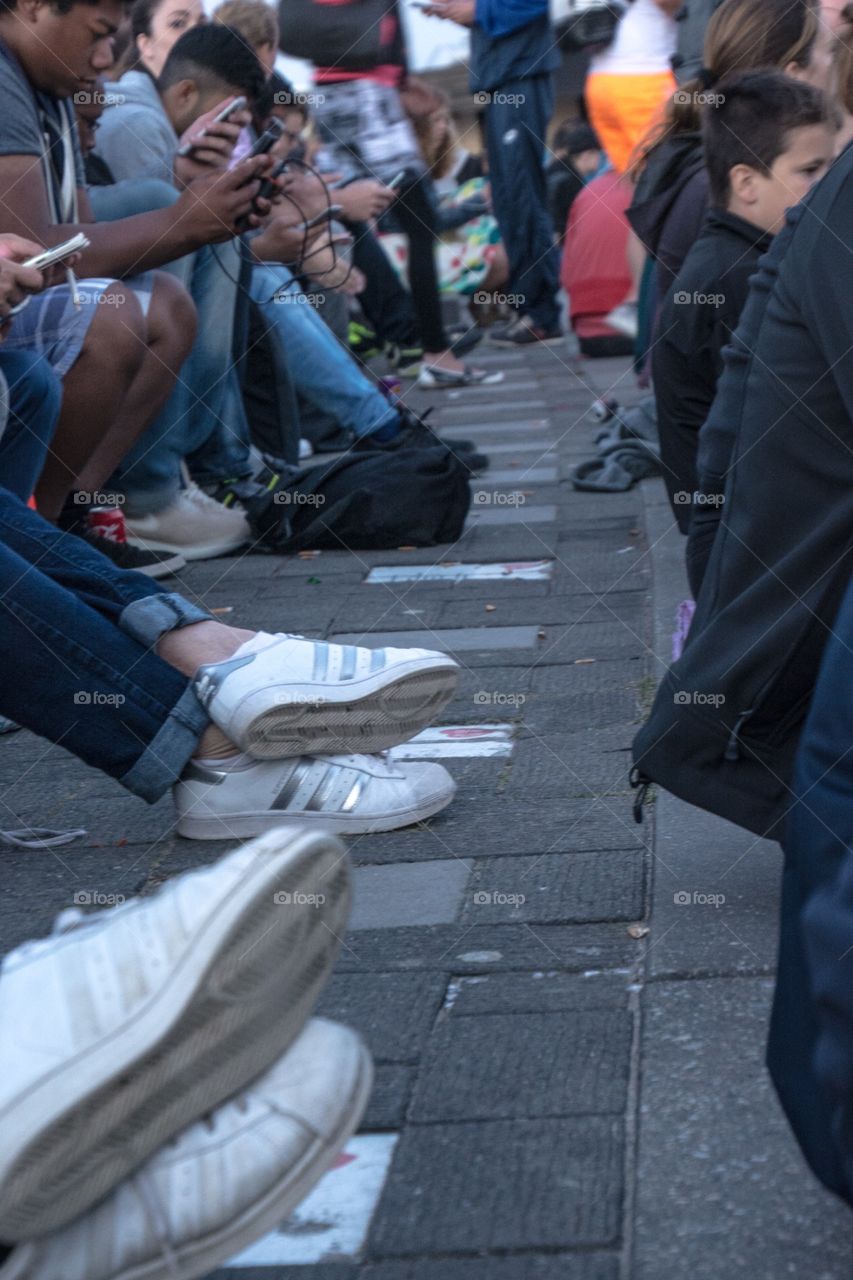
(321, 1271)
(523, 1266)
(394, 1012)
(557, 888)
(492, 949)
(523, 1184)
(501, 427)
(389, 1098)
(506, 827)
(716, 903)
(505, 514)
(567, 765)
(493, 1067)
(722, 1189)
(511, 475)
(538, 992)
(409, 893)
(451, 641)
(523, 447)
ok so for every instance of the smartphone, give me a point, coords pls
(60, 251)
(327, 215)
(225, 114)
(268, 138)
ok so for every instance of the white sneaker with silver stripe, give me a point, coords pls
(285, 696)
(344, 794)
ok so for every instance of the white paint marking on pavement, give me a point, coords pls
(332, 1222)
(513, 570)
(457, 740)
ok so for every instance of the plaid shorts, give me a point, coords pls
(51, 325)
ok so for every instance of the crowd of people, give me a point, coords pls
(230, 255)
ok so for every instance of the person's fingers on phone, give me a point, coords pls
(18, 248)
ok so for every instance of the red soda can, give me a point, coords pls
(108, 522)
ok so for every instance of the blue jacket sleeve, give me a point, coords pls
(501, 17)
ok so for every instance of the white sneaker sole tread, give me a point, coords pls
(236, 1003)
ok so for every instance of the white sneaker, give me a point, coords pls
(625, 319)
(225, 1181)
(290, 697)
(122, 1030)
(344, 794)
(306, 449)
(193, 524)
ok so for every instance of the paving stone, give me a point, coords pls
(513, 475)
(496, 948)
(504, 514)
(460, 640)
(573, 765)
(393, 1011)
(506, 827)
(320, 1271)
(409, 893)
(540, 992)
(524, 1266)
(522, 1184)
(722, 1187)
(556, 888)
(497, 1066)
(389, 1098)
(589, 677)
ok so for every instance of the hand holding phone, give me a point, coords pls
(230, 109)
(59, 252)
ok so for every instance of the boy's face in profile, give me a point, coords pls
(763, 198)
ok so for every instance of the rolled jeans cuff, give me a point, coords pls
(164, 759)
(148, 619)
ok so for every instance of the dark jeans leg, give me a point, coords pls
(35, 396)
(414, 212)
(384, 301)
(516, 123)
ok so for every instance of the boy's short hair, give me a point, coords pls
(279, 92)
(254, 20)
(211, 53)
(574, 137)
(748, 119)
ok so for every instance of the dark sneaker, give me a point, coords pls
(154, 564)
(363, 342)
(406, 361)
(523, 332)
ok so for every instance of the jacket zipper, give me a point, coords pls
(732, 751)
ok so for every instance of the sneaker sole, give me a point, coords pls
(233, 1007)
(165, 568)
(208, 551)
(209, 1253)
(228, 826)
(383, 716)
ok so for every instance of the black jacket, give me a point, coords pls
(669, 204)
(698, 316)
(726, 720)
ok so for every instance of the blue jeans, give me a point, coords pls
(321, 371)
(516, 124)
(204, 415)
(80, 633)
(35, 396)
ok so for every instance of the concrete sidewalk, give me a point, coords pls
(569, 1054)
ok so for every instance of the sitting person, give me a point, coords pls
(251, 730)
(577, 157)
(118, 348)
(594, 266)
(767, 140)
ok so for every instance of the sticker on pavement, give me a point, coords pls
(457, 740)
(331, 1223)
(513, 570)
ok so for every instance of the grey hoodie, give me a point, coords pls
(136, 138)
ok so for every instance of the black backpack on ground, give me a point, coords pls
(365, 502)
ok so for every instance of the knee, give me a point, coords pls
(172, 319)
(117, 333)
